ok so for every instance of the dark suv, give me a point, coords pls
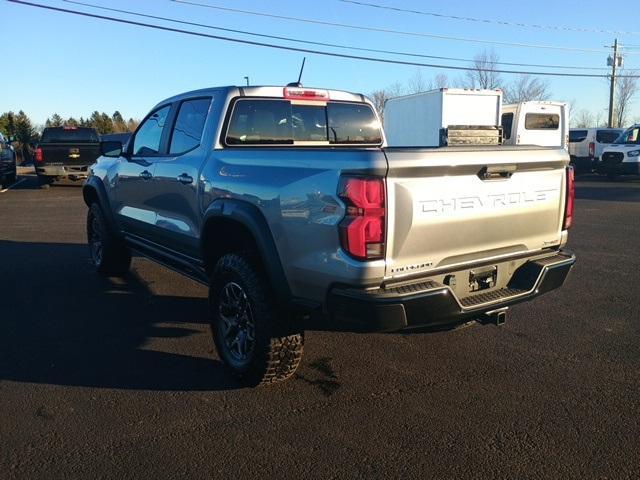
(8, 170)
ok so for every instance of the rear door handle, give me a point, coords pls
(185, 179)
(146, 175)
(497, 172)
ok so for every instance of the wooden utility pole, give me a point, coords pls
(612, 88)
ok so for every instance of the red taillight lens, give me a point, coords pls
(592, 149)
(571, 195)
(39, 154)
(301, 93)
(362, 231)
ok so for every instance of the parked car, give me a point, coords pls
(622, 157)
(444, 117)
(287, 203)
(540, 123)
(586, 145)
(66, 152)
(8, 168)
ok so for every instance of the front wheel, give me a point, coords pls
(255, 343)
(109, 255)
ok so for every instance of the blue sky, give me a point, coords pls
(73, 65)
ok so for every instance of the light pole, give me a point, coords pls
(247, 80)
(613, 62)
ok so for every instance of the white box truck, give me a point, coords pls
(444, 117)
(541, 123)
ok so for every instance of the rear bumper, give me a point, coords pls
(431, 304)
(80, 171)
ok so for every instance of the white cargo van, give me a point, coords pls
(586, 145)
(444, 117)
(536, 123)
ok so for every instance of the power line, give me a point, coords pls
(488, 20)
(386, 30)
(323, 44)
(302, 50)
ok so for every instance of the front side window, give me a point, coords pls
(629, 137)
(187, 131)
(149, 135)
(541, 121)
(282, 122)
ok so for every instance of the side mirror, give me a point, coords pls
(111, 149)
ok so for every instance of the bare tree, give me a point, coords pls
(379, 97)
(584, 119)
(417, 83)
(439, 81)
(484, 73)
(526, 88)
(626, 90)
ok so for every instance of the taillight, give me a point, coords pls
(592, 150)
(39, 154)
(362, 231)
(570, 200)
(301, 93)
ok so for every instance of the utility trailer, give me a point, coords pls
(444, 117)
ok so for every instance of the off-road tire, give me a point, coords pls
(114, 258)
(278, 339)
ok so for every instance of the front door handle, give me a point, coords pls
(146, 175)
(185, 179)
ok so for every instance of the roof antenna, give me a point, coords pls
(298, 84)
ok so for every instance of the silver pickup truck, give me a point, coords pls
(287, 203)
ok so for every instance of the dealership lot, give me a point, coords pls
(119, 378)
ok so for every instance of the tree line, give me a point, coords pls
(26, 134)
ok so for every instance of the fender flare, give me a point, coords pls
(254, 221)
(94, 187)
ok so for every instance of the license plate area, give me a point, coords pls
(483, 278)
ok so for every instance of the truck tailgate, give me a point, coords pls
(69, 153)
(456, 206)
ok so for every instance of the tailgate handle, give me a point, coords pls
(497, 172)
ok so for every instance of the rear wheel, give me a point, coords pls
(255, 343)
(109, 254)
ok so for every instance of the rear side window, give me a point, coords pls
(69, 135)
(282, 122)
(507, 123)
(187, 130)
(576, 136)
(541, 121)
(149, 135)
(607, 136)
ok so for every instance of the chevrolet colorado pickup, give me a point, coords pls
(65, 152)
(287, 203)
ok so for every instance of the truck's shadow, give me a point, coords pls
(62, 324)
(595, 187)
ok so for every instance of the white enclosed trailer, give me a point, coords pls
(448, 116)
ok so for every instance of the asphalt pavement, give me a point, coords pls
(106, 378)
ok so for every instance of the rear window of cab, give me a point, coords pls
(263, 121)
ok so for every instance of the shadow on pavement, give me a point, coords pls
(599, 187)
(62, 324)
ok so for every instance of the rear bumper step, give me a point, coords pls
(432, 304)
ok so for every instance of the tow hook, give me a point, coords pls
(496, 317)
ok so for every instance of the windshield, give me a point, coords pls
(260, 121)
(69, 135)
(630, 137)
